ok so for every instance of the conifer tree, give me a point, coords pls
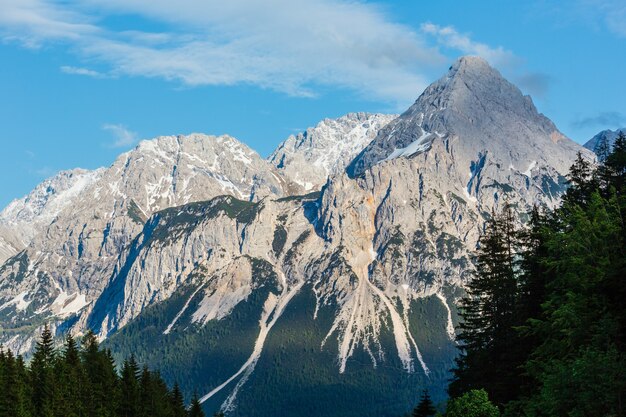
(488, 314)
(14, 399)
(70, 380)
(42, 375)
(581, 180)
(177, 402)
(425, 407)
(195, 409)
(129, 401)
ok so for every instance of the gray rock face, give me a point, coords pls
(22, 219)
(325, 150)
(65, 267)
(472, 109)
(606, 137)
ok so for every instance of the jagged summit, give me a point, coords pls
(23, 218)
(310, 157)
(475, 110)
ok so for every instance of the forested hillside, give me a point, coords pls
(543, 330)
(82, 380)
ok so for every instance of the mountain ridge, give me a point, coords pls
(366, 271)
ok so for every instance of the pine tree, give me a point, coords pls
(42, 375)
(14, 399)
(425, 407)
(177, 402)
(102, 389)
(581, 180)
(603, 149)
(195, 409)
(71, 380)
(129, 402)
(488, 314)
(615, 164)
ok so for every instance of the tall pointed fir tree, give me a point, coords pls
(42, 375)
(425, 407)
(71, 380)
(195, 409)
(177, 402)
(488, 314)
(129, 400)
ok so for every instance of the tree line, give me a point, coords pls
(81, 380)
(543, 329)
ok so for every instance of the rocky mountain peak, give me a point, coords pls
(310, 157)
(474, 110)
(23, 218)
(606, 137)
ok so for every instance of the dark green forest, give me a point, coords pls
(543, 323)
(81, 379)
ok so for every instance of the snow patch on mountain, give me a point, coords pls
(310, 157)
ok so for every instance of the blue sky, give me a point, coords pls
(83, 81)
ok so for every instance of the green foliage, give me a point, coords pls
(195, 410)
(174, 222)
(310, 196)
(280, 238)
(81, 381)
(489, 315)
(474, 403)
(566, 344)
(425, 408)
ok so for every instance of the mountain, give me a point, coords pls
(65, 267)
(325, 150)
(22, 219)
(475, 109)
(338, 302)
(606, 137)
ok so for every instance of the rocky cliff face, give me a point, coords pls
(65, 267)
(22, 219)
(244, 294)
(325, 150)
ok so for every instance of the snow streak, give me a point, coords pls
(273, 309)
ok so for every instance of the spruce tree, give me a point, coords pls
(581, 180)
(195, 409)
(177, 402)
(129, 401)
(488, 314)
(14, 401)
(42, 375)
(425, 407)
(71, 380)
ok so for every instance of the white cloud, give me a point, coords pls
(449, 37)
(123, 137)
(81, 71)
(292, 46)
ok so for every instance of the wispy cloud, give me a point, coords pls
(122, 136)
(608, 119)
(82, 71)
(449, 37)
(292, 46)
